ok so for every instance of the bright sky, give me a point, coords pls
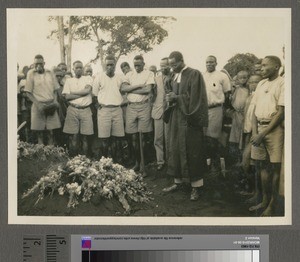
(196, 36)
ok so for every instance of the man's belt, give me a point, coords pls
(214, 105)
(78, 107)
(124, 104)
(138, 103)
(263, 123)
(109, 106)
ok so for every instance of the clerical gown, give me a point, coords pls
(188, 117)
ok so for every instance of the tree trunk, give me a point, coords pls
(60, 26)
(102, 60)
(100, 51)
(69, 49)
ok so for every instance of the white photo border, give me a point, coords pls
(13, 217)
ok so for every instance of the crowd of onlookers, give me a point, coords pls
(240, 118)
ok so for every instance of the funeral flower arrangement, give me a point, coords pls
(41, 152)
(82, 178)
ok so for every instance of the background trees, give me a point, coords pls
(241, 62)
(118, 35)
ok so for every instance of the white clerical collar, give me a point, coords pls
(177, 77)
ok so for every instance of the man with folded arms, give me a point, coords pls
(41, 86)
(106, 87)
(138, 85)
(78, 122)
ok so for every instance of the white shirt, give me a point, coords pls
(267, 97)
(78, 84)
(107, 89)
(145, 77)
(41, 86)
(217, 83)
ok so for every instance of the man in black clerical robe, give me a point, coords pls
(187, 115)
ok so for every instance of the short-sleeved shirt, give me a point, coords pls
(217, 83)
(21, 84)
(64, 79)
(41, 86)
(145, 77)
(267, 97)
(77, 84)
(107, 89)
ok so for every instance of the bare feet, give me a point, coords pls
(257, 207)
(160, 167)
(172, 188)
(253, 199)
(245, 193)
(268, 212)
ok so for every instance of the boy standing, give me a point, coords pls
(78, 120)
(41, 86)
(267, 131)
(106, 87)
(238, 101)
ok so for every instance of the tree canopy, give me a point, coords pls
(117, 35)
(241, 62)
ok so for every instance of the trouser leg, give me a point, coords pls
(159, 140)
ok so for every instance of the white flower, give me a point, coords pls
(105, 190)
(78, 190)
(93, 177)
(61, 191)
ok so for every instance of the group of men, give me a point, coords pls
(185, 108)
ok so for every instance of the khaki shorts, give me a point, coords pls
(78, 121)
(110, 122)
(39, 121)
(215, 119)
(138, 118)
(271, 146)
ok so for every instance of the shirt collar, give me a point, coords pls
(177, 76)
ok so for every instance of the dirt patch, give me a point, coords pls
(218, 197)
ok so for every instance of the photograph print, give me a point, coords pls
(149, 116)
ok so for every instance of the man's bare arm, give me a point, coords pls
(276, 120)
(254, 124)
(70, 97)
(126, 88)
(143, 91)
(32, 98)
(39, 105)
(56, 96)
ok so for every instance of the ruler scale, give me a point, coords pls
(49, 248)
(57, 249)
(33, 248)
